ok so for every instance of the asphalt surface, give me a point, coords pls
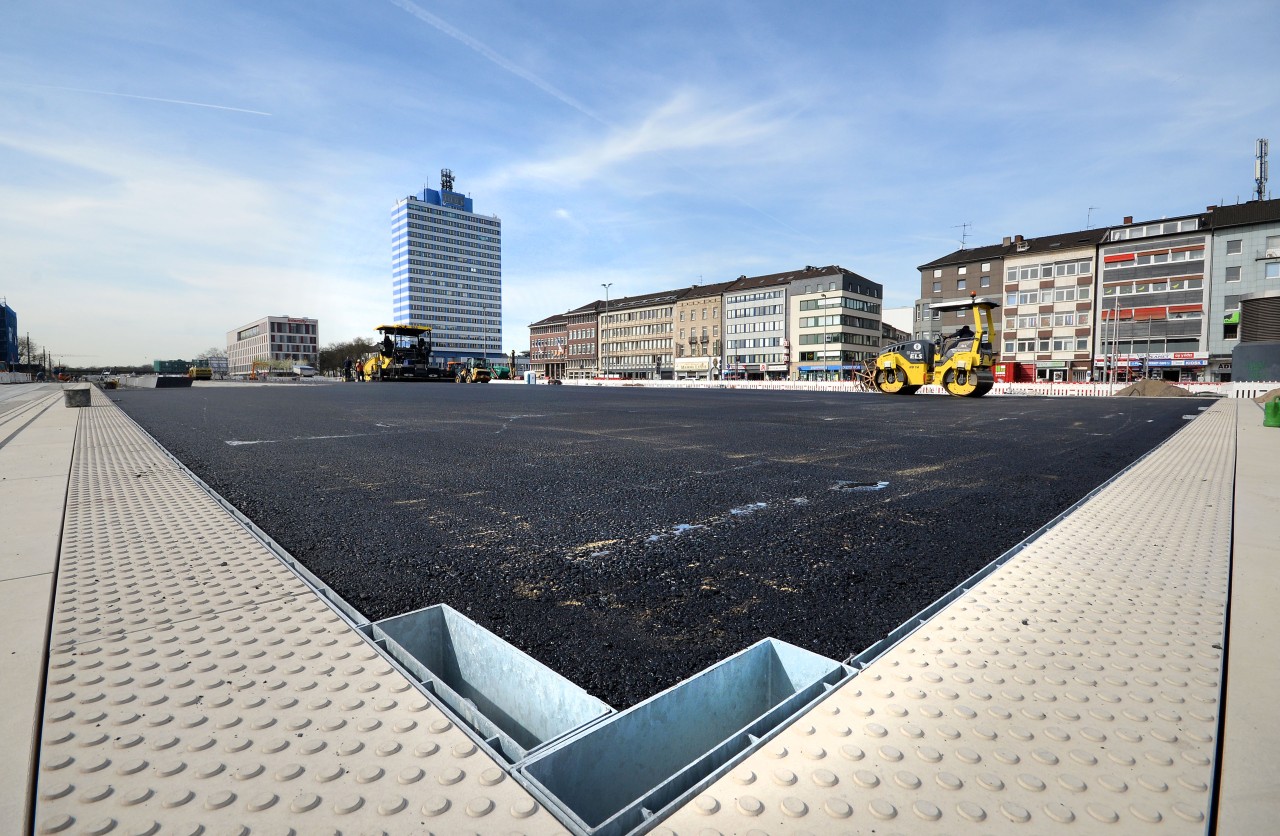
(630, 537)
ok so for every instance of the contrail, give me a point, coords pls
(550, 89)
(150, 99)
(458, 35)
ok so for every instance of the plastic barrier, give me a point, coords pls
(516, 703)
(614, 776)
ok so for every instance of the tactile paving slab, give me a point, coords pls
(197, 686)
(1077, 687)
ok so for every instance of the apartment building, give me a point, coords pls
(279, 339)
(953, 277)
(638, 336)
(1048, 309)
(755, 328)
(1245, 262)
(1153, 299)
(698, 343)
(834, 322)
(549, 346)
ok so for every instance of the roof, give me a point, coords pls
(404, 330)
(964, 256)
(1062, 241)
(1045, 243)
(706, 290)
(554, 319)
(1243, 214)
(644, 300)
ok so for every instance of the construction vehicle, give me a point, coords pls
(960, 364)
(403, 354)
(200, 370)
(471, 370)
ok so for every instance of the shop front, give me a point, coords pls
(1175, 367)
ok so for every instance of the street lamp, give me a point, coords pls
(822, 307)
(600, 336)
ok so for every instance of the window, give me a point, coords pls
(1233, 274)
(1044, 345)
(1011, 299)
(937, 274)
(1233, 247)
(937, 287)
(1273, 246)
(1008, 346)
(986, 266)
(1082, 344)
(985, 281)
(1273, 270)
(963, 270)
(960, 284)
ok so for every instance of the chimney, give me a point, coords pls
(1128, 219)
(1007, 240)
(1017, 239)
(1210, 208)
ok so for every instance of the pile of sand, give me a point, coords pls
(1153, 389)
(1272, 395)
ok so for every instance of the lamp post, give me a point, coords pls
(822, 306)
(600, 336)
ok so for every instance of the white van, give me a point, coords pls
(305, 371)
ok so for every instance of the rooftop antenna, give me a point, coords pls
(1088, 224)
(964, 234)
(446, 180)
(1260, 169)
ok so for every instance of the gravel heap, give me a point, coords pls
(1153, 389)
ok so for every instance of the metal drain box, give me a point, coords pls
(612, 777)
(511, 699)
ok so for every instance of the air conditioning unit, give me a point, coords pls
(1272, 254)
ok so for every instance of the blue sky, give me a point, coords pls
(172, 170)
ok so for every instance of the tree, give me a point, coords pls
(333, 355)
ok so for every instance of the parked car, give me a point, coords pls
(305, 371)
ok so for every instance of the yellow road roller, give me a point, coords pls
(959, 363)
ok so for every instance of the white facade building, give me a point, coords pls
(446, 272)
(283, 338)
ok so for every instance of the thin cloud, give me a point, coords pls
(511, 67)
(151, 99)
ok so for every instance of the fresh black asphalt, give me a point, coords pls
(630, 537)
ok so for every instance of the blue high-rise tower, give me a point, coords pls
(446, 271)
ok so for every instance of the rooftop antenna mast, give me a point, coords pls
(1260, 169)
(446, 180)
(964, 234)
